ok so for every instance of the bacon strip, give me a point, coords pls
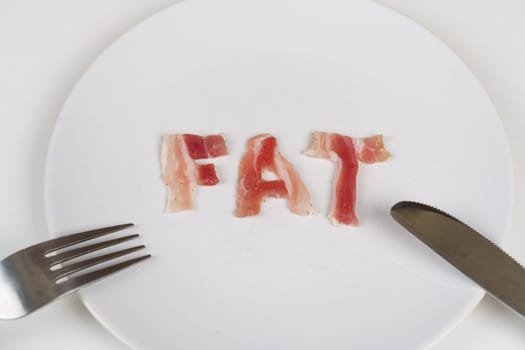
(181, 174)
(345, 152)
(211, 146)
(263, 154)
(371, 149)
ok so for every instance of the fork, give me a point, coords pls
(35, 276)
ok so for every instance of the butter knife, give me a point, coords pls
(469, 251)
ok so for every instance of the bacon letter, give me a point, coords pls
(181, 173)
(345, 152)
(263, 154)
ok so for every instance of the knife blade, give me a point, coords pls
(466, 249)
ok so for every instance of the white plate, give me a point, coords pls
(279, 281)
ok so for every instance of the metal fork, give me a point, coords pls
(35, 276)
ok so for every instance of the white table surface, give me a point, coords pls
(46, 45)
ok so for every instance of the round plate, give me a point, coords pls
(279, 281)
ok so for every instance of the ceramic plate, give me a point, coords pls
(279, 281)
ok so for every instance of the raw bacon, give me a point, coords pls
(210, 146)
(345, 152)
(371, 149)
(263, 155)
(181, 173)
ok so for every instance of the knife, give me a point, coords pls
(469, 251)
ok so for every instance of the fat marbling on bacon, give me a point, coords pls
(344, 152)
(181, 173)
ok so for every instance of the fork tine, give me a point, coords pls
(69, 240)
(77, 282)
(82, 265)
(74, 253)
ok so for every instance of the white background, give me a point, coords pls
(46, 45)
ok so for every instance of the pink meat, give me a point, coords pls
(371, 149)
(181, 173)
(345, 152)
(263, 154)
(204, 147)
